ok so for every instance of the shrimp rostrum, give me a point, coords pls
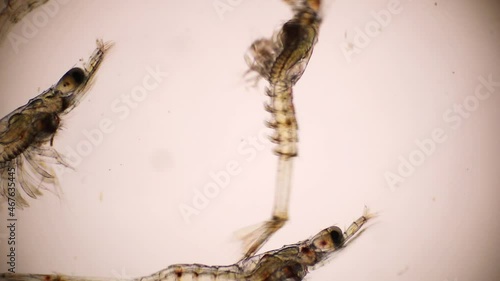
(27, 134)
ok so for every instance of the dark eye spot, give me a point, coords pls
(71, 80)
(78, 75)
(337, 237)
(291, 32)
(291, 29)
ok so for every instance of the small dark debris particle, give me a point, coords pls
(435, 3)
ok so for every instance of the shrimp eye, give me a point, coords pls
(71, 80)
(78, 75)
(329, 239)
(337, 236)
(291, 32)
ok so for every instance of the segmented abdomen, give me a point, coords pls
(257, 268)
(284, 121)
(196, 272)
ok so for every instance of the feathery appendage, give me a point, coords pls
(27, 133)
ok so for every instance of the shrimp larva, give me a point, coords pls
(27, 134)
(281, 61)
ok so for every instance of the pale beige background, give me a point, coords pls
(119, 216)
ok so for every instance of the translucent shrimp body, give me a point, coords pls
(281, 61)
(291, 262)
(27, 134)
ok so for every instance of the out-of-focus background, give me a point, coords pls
(398, 110)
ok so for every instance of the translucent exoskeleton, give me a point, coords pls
(281, 61)
(291, 262)
(27, 134)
